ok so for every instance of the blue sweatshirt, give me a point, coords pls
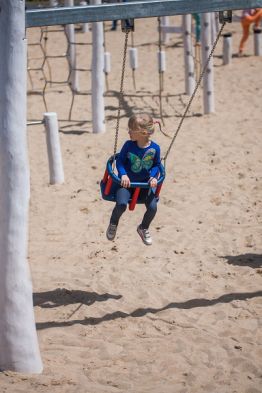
(139, 164)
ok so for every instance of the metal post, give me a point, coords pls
(227, 48)
(130, 10)
(85, 27)
(258, 41)
(208, 82)
(70, 32)
(19, 349)
(56, 171)
(98, 110)
(188, 55)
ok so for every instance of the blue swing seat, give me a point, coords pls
(111, 183)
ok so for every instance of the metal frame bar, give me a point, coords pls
(133, 9)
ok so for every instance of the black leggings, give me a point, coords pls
(122, 197)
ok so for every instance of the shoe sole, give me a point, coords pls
(110, 238)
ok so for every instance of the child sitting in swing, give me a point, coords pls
(138, 161)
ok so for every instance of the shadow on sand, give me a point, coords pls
(63, 297)
(89, 298)
(251, 260)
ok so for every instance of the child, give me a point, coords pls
(138, 161)
(248, 16)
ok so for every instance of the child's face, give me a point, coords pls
(136, 135)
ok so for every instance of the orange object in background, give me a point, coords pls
(249, 16)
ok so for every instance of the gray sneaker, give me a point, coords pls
(111, 231)
(145, 235)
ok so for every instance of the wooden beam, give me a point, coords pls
(132, 9)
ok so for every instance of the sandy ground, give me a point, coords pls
(183, 315)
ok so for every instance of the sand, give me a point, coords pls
(180, 316)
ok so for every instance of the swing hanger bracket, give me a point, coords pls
(225, 16)
(127, 25)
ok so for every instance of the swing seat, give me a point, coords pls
(111, 183)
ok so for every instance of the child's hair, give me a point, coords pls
(143, 123)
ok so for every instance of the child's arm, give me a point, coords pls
(155, 170)
(120, 164)
(120, 161)
(125, 181)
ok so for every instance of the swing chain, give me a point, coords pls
(194, 92)
(121, 94)
(160, 73)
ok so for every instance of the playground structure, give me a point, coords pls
(17, 322)
(41, 66)
(75, 44)
(78, 41)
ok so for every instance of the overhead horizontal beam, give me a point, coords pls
(132, 9)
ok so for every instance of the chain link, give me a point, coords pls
(194, 92)
(121, 95)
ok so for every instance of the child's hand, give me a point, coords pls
(125, 181)
(153, 182)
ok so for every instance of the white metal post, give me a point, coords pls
(85, 27)
(19, 349)
(161, 59)
(133, 58)
(56, 172)
(70, 32)
(227, 48)
(188, 55)
(208, 84)
(98, 110)
(258, 41)
(213, 24)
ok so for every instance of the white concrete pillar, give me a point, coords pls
(217, 22)
(85, 27)
(56, 172)
(133, 58)
(161, 58)
(227, 48)
(258, 41)
(188, 55)
(107, 63)
(70, 33)
(213, 27)
(208, 79)
(98, 78)
(19, 349)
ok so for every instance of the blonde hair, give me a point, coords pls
(143, 123)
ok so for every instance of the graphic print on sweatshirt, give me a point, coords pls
(146, 162)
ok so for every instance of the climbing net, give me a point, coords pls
(47, 78)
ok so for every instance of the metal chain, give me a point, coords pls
(160, 74)
(133, 70)
(194, 92)
(121, 92)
